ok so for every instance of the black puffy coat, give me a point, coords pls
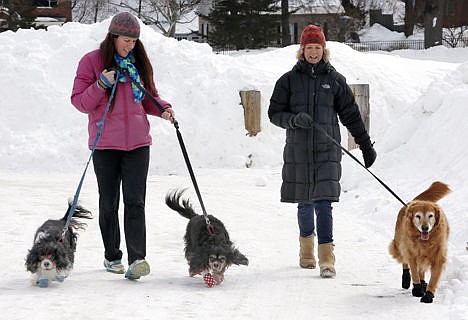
(312, 168)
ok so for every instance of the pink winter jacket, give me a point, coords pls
(126, 127)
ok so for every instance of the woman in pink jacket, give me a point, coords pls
(121, 157)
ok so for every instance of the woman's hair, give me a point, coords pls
(142, 62)
(300, 54)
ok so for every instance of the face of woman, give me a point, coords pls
(313, 53)
(123, 45)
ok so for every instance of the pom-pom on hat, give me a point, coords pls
(125, 24)
(313, 34)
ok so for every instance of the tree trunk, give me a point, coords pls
(433, 23)
(409, 17)
(285, 34)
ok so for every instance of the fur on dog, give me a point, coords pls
(205, 252)
(52, 255)
(420, 241)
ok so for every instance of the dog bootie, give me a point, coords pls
(405, 279)
(115, 266)
(418, 290)
(137, 269)
(428, 297)
(209, 279)
(43, 283)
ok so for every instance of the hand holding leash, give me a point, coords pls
(107, 79)
(368, 153)
(302, 120)
(169, 115)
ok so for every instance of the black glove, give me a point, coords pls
(368, 153)
(301, 120)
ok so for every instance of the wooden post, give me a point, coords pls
(361, 95)
(250, 101)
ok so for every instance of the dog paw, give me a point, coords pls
(218, 277)
(428, 297)
(417, 290)
(209, 280)
(43, 283)
(405, 279)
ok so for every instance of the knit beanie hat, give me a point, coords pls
(313, 34)
(125, 24)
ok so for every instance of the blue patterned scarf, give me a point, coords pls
(126, 64)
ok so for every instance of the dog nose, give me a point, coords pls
(425, 228)
(46, 264)
(216, 265)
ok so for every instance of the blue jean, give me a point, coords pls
(305, 218)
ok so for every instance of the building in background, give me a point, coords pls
(52, 12)
(327, 14)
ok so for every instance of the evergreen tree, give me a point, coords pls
(244, 24)
(20, 14)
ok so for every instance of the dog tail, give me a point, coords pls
(435, 192)
(80, 213)
(173, 201)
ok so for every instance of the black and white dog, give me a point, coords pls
(209, 252)
(53, 253)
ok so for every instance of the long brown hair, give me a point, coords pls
(142, 62)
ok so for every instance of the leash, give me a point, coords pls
(100, 125)
(355, 159)
(185, 154)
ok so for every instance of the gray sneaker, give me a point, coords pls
(137, 269)
(115, 266)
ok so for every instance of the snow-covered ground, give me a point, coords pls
(418, 121)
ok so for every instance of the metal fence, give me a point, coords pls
(365, 46)
(401, 44)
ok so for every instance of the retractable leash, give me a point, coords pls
(100, 125)
(355, 159)
(185, 154)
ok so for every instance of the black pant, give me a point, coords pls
(129, 168)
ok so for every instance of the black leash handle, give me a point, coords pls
(355, 159)
(184, 152)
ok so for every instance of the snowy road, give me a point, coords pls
(246, 200)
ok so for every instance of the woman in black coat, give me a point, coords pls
(313, 92)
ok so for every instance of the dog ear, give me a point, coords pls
(408, 220)
(63, 257)
(198, 261)
(438, 216)
(31, 260)
(238, 258)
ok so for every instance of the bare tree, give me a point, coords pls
(454, 36)
(90, 11)
(164, 14)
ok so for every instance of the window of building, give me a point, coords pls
(46, 3)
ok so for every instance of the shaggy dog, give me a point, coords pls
(52, 255)
(208, 250)
(420, 241)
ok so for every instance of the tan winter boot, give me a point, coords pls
(306, 253)
(326, 260)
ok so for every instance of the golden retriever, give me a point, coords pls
(420, 241)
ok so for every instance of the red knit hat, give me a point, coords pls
(125, 24)
(313, 34)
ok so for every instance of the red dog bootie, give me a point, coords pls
(209, 280)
